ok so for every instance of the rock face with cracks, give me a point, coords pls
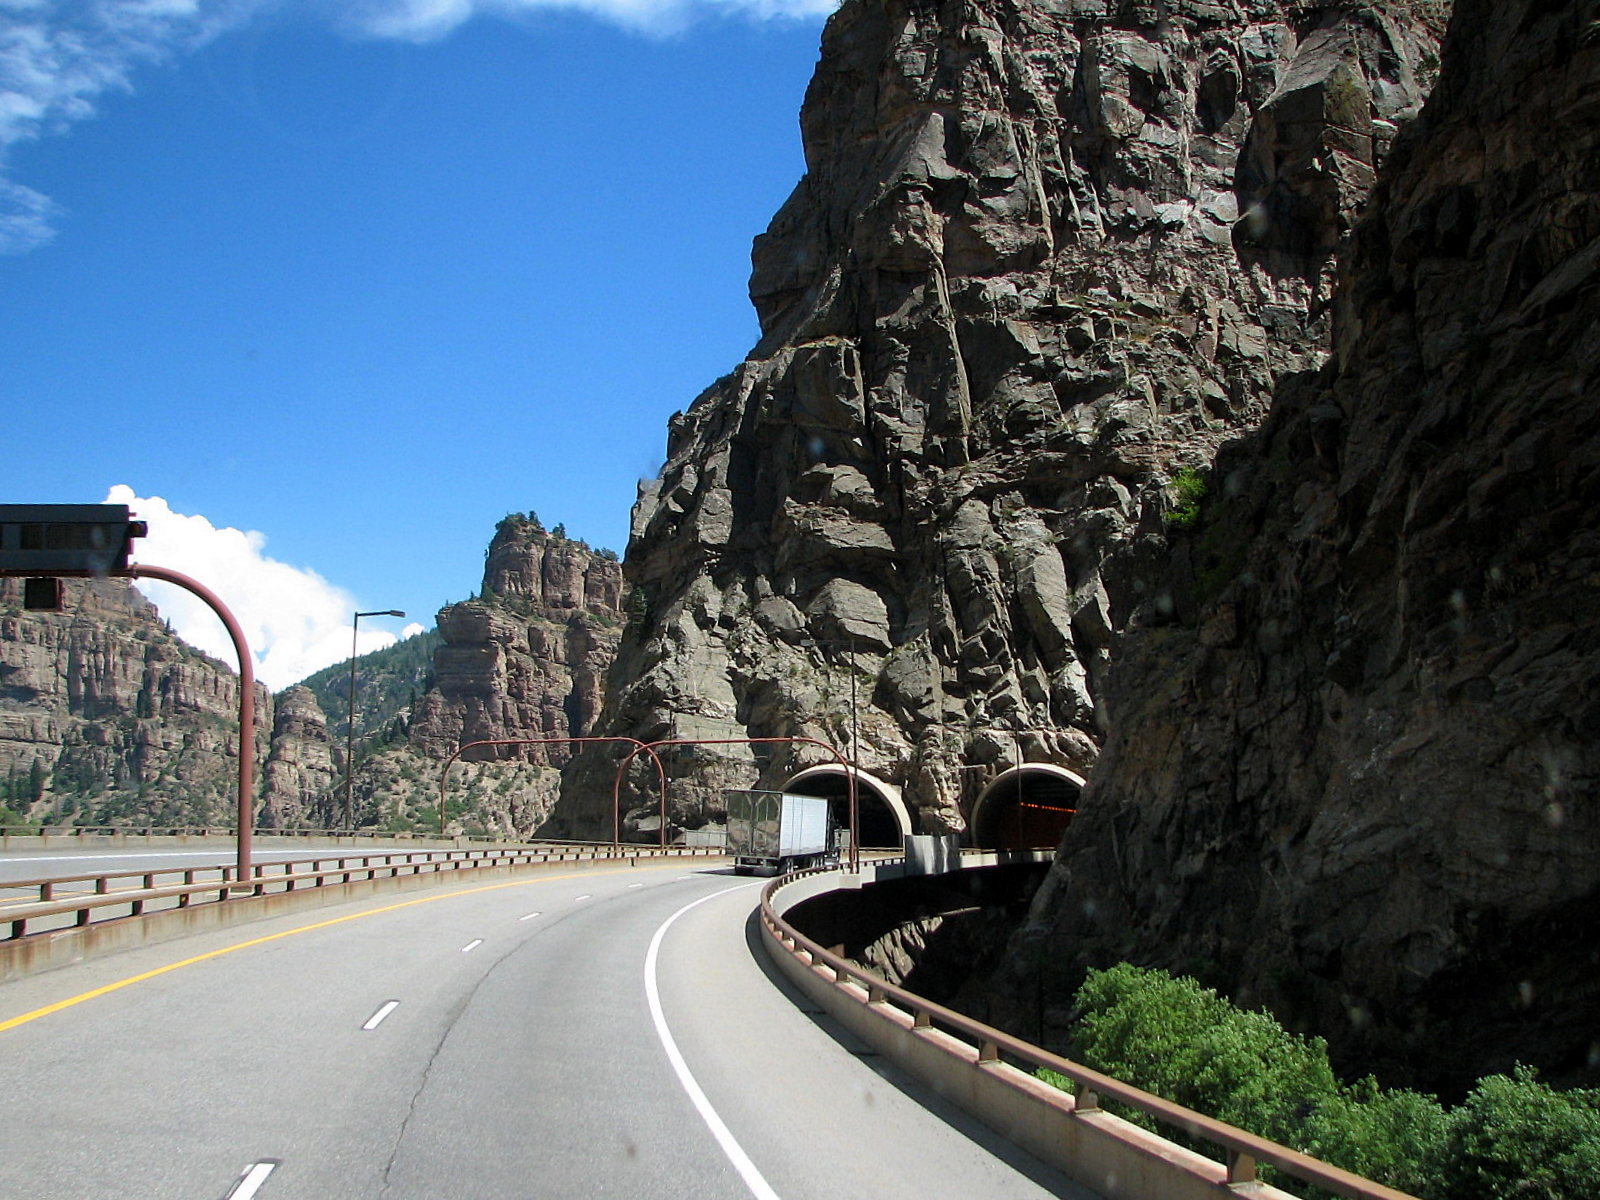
(107, 717)
(526, 659)
(1354, 779)
(1045, 255)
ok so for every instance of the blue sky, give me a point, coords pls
(345, 284)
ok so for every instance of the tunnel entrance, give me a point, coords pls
(1026, 807)
(880, 812)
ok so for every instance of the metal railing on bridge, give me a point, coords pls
(83, 896)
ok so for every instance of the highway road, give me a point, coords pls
(601, 1032)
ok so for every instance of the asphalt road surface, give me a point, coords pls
(604, 1032)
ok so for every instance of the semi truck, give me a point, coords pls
(773, 832)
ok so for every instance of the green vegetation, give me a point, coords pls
(19, 790)
(1189, 489)
(388, 684)
(1512, 1137)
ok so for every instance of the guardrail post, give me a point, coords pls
(1085, 1099)
(1241, 1167)
(988, 1052)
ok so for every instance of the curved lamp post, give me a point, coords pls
(350, 732)
(42, 543)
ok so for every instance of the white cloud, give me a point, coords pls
(58, 57)
(27, 218)
(293, 619)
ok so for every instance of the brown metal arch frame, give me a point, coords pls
(661, 773)
(616, 787)
(247, 680)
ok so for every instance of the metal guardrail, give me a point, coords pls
(1242, 1151)
(148, 831)
(288, 876)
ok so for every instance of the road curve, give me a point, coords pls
(482, 1041)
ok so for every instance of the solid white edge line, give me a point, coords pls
(752, 1177)
(376, 1018)
(252, 1179)
(472, 945)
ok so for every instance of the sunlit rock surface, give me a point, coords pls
(1045, 256)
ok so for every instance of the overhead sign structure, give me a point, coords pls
(66, 539)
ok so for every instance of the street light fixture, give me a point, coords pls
(350, 732)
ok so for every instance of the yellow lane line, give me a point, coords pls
(26, 1017)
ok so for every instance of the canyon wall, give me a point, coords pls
(526, 659)
(125, 722)
(1353, 776)
(1046, 257)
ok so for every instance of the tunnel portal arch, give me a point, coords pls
(1025, 807)
(880, 808)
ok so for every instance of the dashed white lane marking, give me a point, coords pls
(376, 1018)
(252, 1179)
(472, 945)
(585, 896)
(529, 917)
(752, 1177)
(631, 886)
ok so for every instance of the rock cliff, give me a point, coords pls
(300, 770)
(526, 659)
(127, 723)
(1354, 777)
(1047, 255)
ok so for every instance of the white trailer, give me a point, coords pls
(779, 831)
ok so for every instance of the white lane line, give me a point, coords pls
(752, 1177)
(252, 1179)
(472, 945)
(530, 916)
(585, 896)
(631, 886)
(376, 1018)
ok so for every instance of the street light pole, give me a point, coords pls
(350, 732)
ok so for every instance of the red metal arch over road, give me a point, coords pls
(616, 787)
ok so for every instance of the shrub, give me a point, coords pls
(1516, 1137)
(1177, 1039)
(1513, 1138)
(1391, 1137)
(1189, 489)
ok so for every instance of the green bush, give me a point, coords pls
(1517, 1137)
(1189, 489)
(1177, 1039)
(1391, 1137)
(1513, 1138)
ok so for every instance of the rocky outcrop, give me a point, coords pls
(1354, 777)
(126, 722)
(525, 660)
(299, 771)
(1045, 256)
